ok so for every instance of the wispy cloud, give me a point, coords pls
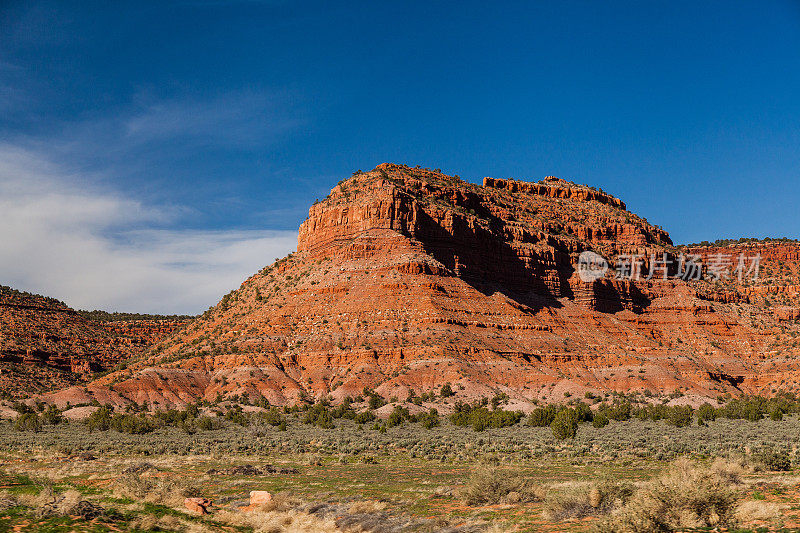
(64, 237)
(240, 119)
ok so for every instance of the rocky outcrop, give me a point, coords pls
(406, 279)
(553, 187)
(787, 314)
(758, 272)
(517, 235)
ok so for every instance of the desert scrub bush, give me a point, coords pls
(237, 416)
(100, 420)
(172, 417)
(319, 415)
(706, 413)
(680, 416)
(157, 490)
(773, 460)
(751, 510)
(446, 391)
(619, 410)
(398, 416)
(273, 417)
(344, 410)
(542, 416)
(364, 417)
(208, 423)
(688, 495)
(28, 422)
(480, 418)
(103, 419)
(374, 400)
(429, 420)
(284, 518)
(133, 424)
(600, 421)
(70, 503)
(565, 424)
(494, 485)
(52, 416)
(584, 499)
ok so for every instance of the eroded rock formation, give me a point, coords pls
(45, 344)
(406, 279)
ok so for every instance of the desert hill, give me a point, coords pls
(406, 279)
(45, 344)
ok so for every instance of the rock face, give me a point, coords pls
(198, 506)
(777, 268)
(406, 279)
(45, 344)
(260, 497)
(787, 314)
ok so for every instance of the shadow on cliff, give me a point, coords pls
(613, 298)
(484, 260)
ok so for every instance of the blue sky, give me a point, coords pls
(153, 154)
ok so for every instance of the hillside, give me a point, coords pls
(45, 344)
(406, 279)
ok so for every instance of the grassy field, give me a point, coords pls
(354, 478)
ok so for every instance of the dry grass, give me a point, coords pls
(157, 490)
(149, 522)
(291, 521)
(366, 507)
(495, 485)
(753, 510)
(578, 500)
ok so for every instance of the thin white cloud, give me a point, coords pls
(98, 249)
(240, 119)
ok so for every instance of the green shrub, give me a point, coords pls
(480, 418)
(680, 416)
(133, 424)
(429, 420)
(28, 422)
(237, 416)
(364, 417)
(774, 460)
(600, 420)
(398, 416)
(52, 416)
(542, 416)
(100, 420)
(617, 411)
(171, 417)
(207, 423)
(706, 413)
(583, 412)
(319, 415)
(21, 408)
(375, 400)
(273, 417)
(565, 424)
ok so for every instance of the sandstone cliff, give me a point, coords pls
(405, 279)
